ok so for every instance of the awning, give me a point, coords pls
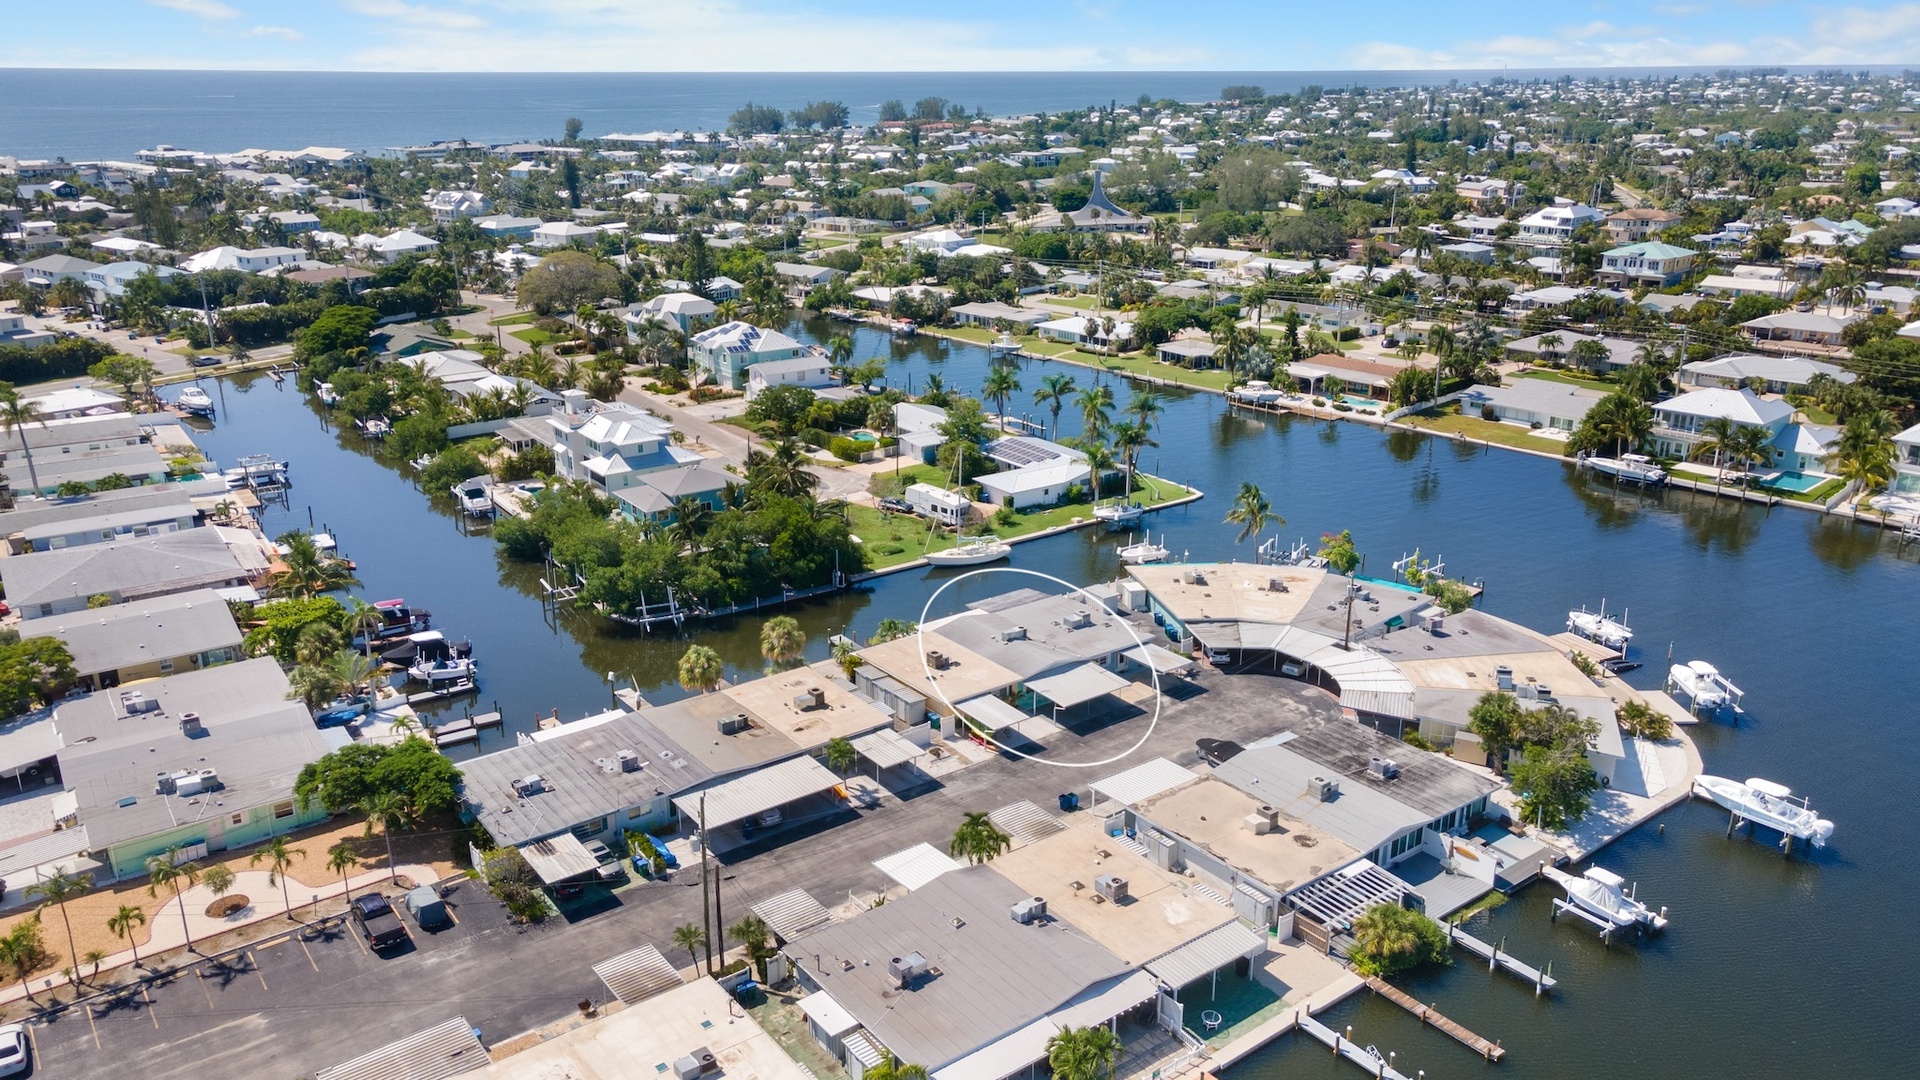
(1025, 821)
(1078, 685)
(792, 913)
(443, 1050)
(1343, 896)
(559, 858)
(28, 743)
(1093, 1008)
(1163, 660)
(827, 1014)
(886, 748)
(1143, 782)
(756, 792)
(916, 865)
(638, 975)
(1205, 954)
(990, 711)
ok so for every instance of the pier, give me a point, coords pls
(1427, 1014)
(1498, 958)
(1367, 1057)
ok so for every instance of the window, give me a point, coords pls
(237, 819)
(590, 828)
(166, 665)
(283, 810)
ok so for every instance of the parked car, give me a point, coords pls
(377, 920)
(208, 361)
(898, 506)
(4, 609)
(426, 907)
(609, 863)
(16, 1052)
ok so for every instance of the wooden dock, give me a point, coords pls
(1427, 1014)
(1497, 958)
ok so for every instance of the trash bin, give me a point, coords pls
(1069, 802)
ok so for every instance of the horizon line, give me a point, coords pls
(1876, 68)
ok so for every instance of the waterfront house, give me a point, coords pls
(1035, 472)
(73, 401)
(1648, 262)
(724, 353)
(814, 371)
(806, 276)
(1534, 403)
(465, 374)
(1192, 352)
(145, 639)
(204, 761)
(1088, 331)
(1777, 374)
(1677, 421)
(1906, 461)
(987, 313)
(1801, 327)
(1363, 377)
(677, 309)
(1553, 227)
(43, 584)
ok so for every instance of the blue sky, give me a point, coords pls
(978, 35)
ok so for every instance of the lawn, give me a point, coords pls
(533, 336)
(1452, 423)
(1819, 494)
(1570, 379)
(979, 335)
(1084, 303)
(521, 319)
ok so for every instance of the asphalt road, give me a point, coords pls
(290, 1008)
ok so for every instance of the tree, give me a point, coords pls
(1252, 513)
(701, 669)
(20, 949)
(781, 640)
(16, 414)
(218, 880)
(121, 924)
(55, 890)
(1496, 719)
(168, 870)
(34, 671)
(978, 839)
(411, 768)
(340, 859)
(343, 330)
(1641, 721)
(1337, 549)
(783, 472)
(1053, 393)
(1389, 938)
(892, 1069)
(1555, 783)
(755, 936)
(574, 127)
(1865, 454)
(124, 371)
(786, 407)
(1096, 411)
(389, 810)
(847, 657)
(690, 937)
(1620, 421)
(840, 756)
(307, 572)
(1410, 385)
(890, 629)
(279, 859)
(1088, 1053)
(1000, 384)
(566, 279)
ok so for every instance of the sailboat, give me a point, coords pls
(1764, 802)
(1598, 897)
(972, 551)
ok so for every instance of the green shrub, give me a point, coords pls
(816, 438)
(846, 449)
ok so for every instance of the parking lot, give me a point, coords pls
(316, 998)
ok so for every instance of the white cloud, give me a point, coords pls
(206, 9)
(417, 15)
(285, 32)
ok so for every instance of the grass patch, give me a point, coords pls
(1569, 379)
(1486, 903)
(1452, 423)
(1817, 415)
(522, 319)
(1084, 303)
(533, 336)
(979, 335)
(892, 539)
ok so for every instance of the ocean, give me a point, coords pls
(86, 115)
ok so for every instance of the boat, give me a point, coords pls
(1003, 347)
(903, 328)
(397, 618)
(1596, 627)
(972, 551)
(475, 496)
(1633, 468)
(195, 402)
(374, 427)
(1119, 515)
(1143, 552)
(420, 463)
(1707, 690)
(1764, 802)
(259, 471)
(450, 669)
(427, 644)
(1598, 897)
(1256, 392)
(326, 393)
(443, 691)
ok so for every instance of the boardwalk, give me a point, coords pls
(1491, 1051)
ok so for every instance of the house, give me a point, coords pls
(813, 371)
(295, 222)
(989, 313)
(1737, 285)
(451, 206)
(503, 226)
(104, 521)
(1906, 461)
(679, 309)
(1648, 262)
(1801, 327)
(1088, 331)
(1678, 421)
(1554, 226)
(654, 498)
(202, 761)
(806, 275)
(1037, 472)
(43, 584)
(465, 375)
(1535, 403)
(146, 639)
(1780, 374)
(245, 260)
(396, 245)
(1637, 224)
(76, 401)
(556, 234)
(1363, 377)
(1544, 348)
(14, 331)
(725, 352)
(1471, 251)
(947, 242)
(1480, 190)
(110, 282)
(48, 269)
(1188, 352)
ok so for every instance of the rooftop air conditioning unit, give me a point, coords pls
(1272, 814)
(937, 660)
(1436, 623)
(190, 725)
(1323, 788)
(734, 724)
(186, 784)
(209, 779)
(163, 783)
(819, 696)
(1257, 824)
(1014, 633)
(1030, 910)
(1111, 886)
(1382, 768)
(529, 785)
(1276, 585)
(1503, 677)
(629, 761)
(1081, 618)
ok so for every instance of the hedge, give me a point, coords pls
(63, 359)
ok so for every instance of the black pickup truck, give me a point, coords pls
(378, 921)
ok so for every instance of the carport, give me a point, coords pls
(1160, 659)
(560, 858)
(743, 799)
(917, 865)
(887, 749)
(993, 714)
(446, 1049)
(638, 975)
(792, 913)
(1077, 686)
(1139, 784)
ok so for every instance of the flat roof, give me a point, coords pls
(692, 727)
(446, 1049)
(967, 674)
(36, 513)
(845, 715)
(1429, 783)
(1213, 815)
(151, 565)
(140, 632)
(1161, 913)
(757, 792)
(1078, 685)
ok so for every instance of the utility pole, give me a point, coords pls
(706, 914)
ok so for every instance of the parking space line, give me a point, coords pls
(309, 952)
(151, 1014)
(269, 944)
(95, 1028)
(256, 970)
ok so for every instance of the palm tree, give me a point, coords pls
(1100, 463)
(122, 923)
(1716, 439)
(389, 810)
(162, 869)
(847, 657)
(56, 889)
(20, 950)
(1096, 410)
(783, 471)
(978, 839)
(340, 859)
(1252, 513)
(15, 414)
(781, 640)
(1053, 393)
(1001, 383)
(279, 859)
(306, 573)
(1549, 344)
(700, 668)
(314, 684)
(690, 938)
(1145, 407)
(1588, 354)
(892, 1069)
(1088, 1053)
(1129, 438)
(840, 350)
(752, 933)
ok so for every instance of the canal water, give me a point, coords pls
(1772, 968)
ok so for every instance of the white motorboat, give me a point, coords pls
(1256, 392)
(326, 393)
(1003, 347)
(1633, 468)
(1764, 802)
(1119, 515)
(1706, 689)
(1596, 627)
(375, 427)
(1598, 897)
(1142, 552)
(259, 471)
(475, 496)
(445, 670)
(972, 551)
(195, 401)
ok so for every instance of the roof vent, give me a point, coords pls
(1081, 619)
(1323, 788)
(734, 724)
(937, 660)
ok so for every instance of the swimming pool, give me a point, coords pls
(1797, 482)
(1360, 402)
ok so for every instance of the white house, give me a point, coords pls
(1087, 330)
(1803, 327)
(727, 351)
(554, 234)
(811, 370)
(1554, 226)
(1649, 262)
(507, 225)
(1677, 422)
(395, 245)
(1906, 461)
(613, 446)
(246, 260)
(451, 206)
(1038, 472)
(947, 242)
(14, 331)
(111, 280)
(1782, 374)
(1533, 403)
(676, 308)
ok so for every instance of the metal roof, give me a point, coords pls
(1159, 658)
(917, 865)
(1092, 1008)
(1206, 954)
(1025, 822)
(763, 789)
(558, 858)
(142, 632)
(1346, 894)
(886, 748)
(827, 1014)
(638, 975)
(443, 1050)
(792, 913)
(1143, 782)
(996, 714)
(1078, 685)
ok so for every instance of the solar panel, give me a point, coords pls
(1020, 452)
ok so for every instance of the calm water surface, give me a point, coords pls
(1773, 968)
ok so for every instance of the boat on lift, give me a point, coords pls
(396, 618)
(1003, 347)
(972, 551)
(195, 401)
(475, 496)
(1119, 515)
(1599, 897)
(1764, 802)
(1596, 627)
(1633, 468)
(326, 393)
(448, 670)
(427, 644)
(1142, 552)
(1707, 690)
(374, 427)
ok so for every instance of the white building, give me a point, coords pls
(451, 206)
(1677, 422)
(556, 234)
(679, 309)
(395, 245)
(1554, 226)
(813, 371)
(246, 260)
